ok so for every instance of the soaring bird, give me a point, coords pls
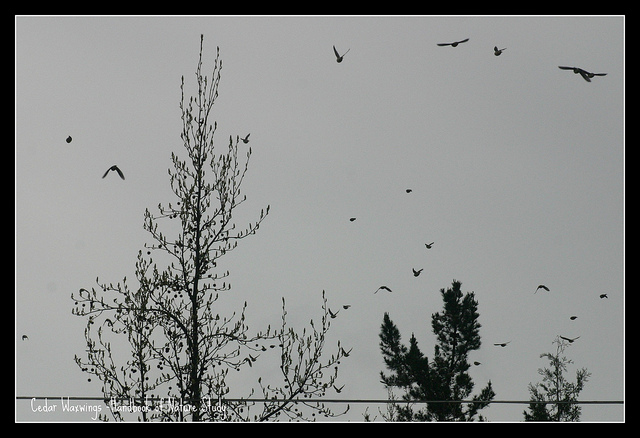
(69, 139)
(569, 340)
(346, 306)
(338, 56)
(429, 245)
(114, 167)
(346, 353)
(338, 390)
(25, 337)
(542, 286)
(246, 139)
(573, 318)
(351, 219)
(455, 43)
(476, 363)
(416, 273)
(384, 288)
(408, 190)
(502, 344)
(585, 74)
(333, 315)
(497, 51)
(604, 296)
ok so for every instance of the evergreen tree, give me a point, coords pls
(446, 377)
(552, 399)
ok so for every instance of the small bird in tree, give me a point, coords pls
(568, 339)
(604, 296)
(455, 43)
(115, 168)
(383, 288)
(497, 51)
(25, 337)
(69, 139)
(246, 139)
(585, 74)
(502, 344)
(429, 245)
(338, 390)
(333, 315)
(416, 273)
(339, 57)
(542, 286)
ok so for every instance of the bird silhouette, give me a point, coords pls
(383, 288)
(573, 318)
(604, 296)
(429, 245)
(585, 74)
(346, 306)
(339, 57)
(408, 190)
(69, 139)
(246, 139)
(416, 273)
(351, 219)
(455, 43)
(502, 344)
(338, 390)
(114, 167)
(568, 339)
(476, 363)
(497, 51)
(333, 315)
(25, 337)
(346, 353)
(542, 286)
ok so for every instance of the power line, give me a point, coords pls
(325, 400)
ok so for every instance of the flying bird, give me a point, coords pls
(569, 340)
(114, 167)
(455, 43)
(497, 51)
(604, 296)
(542, 286)
(585, 74)
(246, 139)
(338, 56)
(429, 245)
(69, 139)
(346, 306)
(502, 344)
(408, 190)
(333, 315)
(416, 273)
(25, 337)
(351, 219)
(338, 390)
(346, 353)
(383, 288)
(573, 318)
(476, 363)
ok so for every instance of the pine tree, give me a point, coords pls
(446, 377)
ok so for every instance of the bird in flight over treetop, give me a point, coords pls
(497, 51)
(573, 318)
(338, 56)
(476, 363)
(383, 288)
(338, 390)
(114, 167)
(604, 296)
(585, 74)
(429, 245)
(542, 286)
(351, 219)
(416, 273)
(569, 340)
(246, 139)
(69, 139)
(502, 344)
(346, 306)
(455, 43)
(25, 337)
(333, 315)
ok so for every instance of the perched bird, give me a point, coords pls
(346, 306)
(338, 56)
(604, 296)
(114, 167)
(455, 43)
(542, 286)
(246, 139)
(384, 288)
(338, 390)
(333, 315)
(25, 337)
(569, 340)
(497, 51)
(416, 273)
(476, 363)
(351, 219)
(502, 344)
(573, 318)
(429, 245)
(585, 74)
(69, 139)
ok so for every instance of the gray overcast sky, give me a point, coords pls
(516, 167)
